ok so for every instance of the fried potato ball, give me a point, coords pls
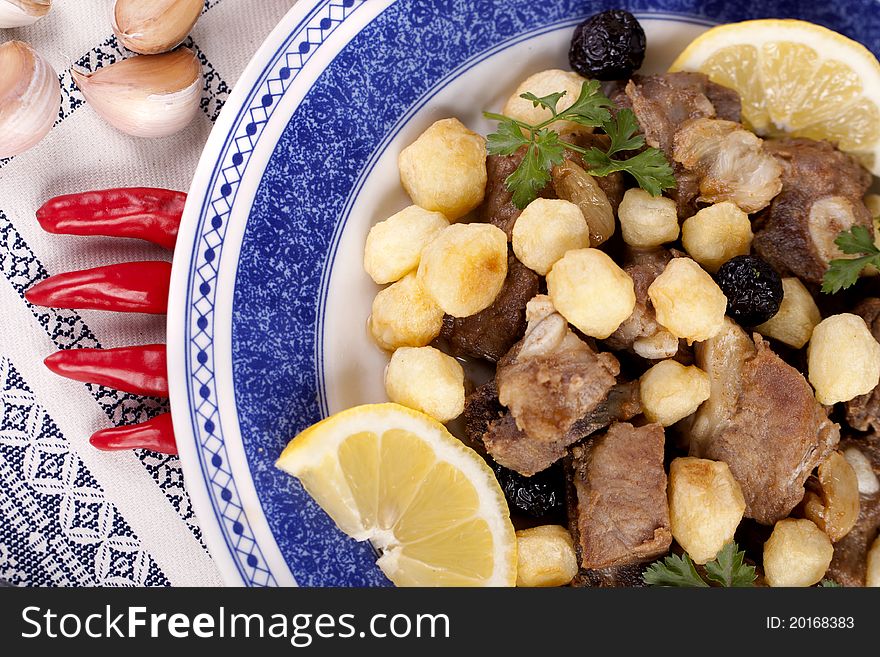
(426, 379)
(591, 292)
(444, 170)
(395, 245)
(463, 268)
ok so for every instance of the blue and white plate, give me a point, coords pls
(267, 320)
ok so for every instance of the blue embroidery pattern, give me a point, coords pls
(67, 329)
(59, 530)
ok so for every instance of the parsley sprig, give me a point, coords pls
(544, 148)
(844, 272)
(727, 569)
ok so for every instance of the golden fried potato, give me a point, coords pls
(404, 315)
(546, 556)
(591, 292)
(426, 379)
(670, 391)
(647, 221)
(797, 317)
(716, 234)
(444, 170)
(545, 230)
(687, 302)
(463, 268)
(843, 359)
(394, 246)
(797, 554)
(706, 506)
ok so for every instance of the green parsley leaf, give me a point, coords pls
(590, 107)
(649, 168)
(844, 272)
(728, 568)
(673, 571)
(856, 240)
(547, 102)
(530, 177)
(622, 131)
(545, 150)
(507, 140)
(829, 584)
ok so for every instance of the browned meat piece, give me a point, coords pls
(762, 419)
(617, 576)
(863, 412)
(492, 332)
(730, 163)
(552, 378)
(822, 192)
(618, 486)
(498, 208)
(850, 553)
(491, 426)
(640, 333)
(662, 103)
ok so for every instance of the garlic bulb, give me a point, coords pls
(150, 27)
(146, 95)
(30, 98)
(18, 13)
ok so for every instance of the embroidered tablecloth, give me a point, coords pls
(69, 514)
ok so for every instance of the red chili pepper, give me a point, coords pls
(137, 287)
(156, 435)
(140, 212)
(138, 370)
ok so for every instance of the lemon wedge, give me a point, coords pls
(796, 78)
(398, 478)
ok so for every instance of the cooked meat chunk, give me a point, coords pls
(863, 412)
(636, 332)
(492, 332)
(619, 487)
(616, 576)
(762, 420)
(498, 208)
(552, 378)
(822, 194)
(849, 563)
(662, 103)
(490, 426)
(730, 162)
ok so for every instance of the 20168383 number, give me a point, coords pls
(811, 623)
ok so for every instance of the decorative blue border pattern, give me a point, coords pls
(235, 157)
(342, 124)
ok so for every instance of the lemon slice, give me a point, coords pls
(397, 477)
(796, 78)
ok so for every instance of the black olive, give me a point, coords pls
(539, 495)
(752, 287)
(608, 46)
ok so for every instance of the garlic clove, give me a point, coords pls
(30, 98)
(150, 27)
(18, 13)
(146, 95)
